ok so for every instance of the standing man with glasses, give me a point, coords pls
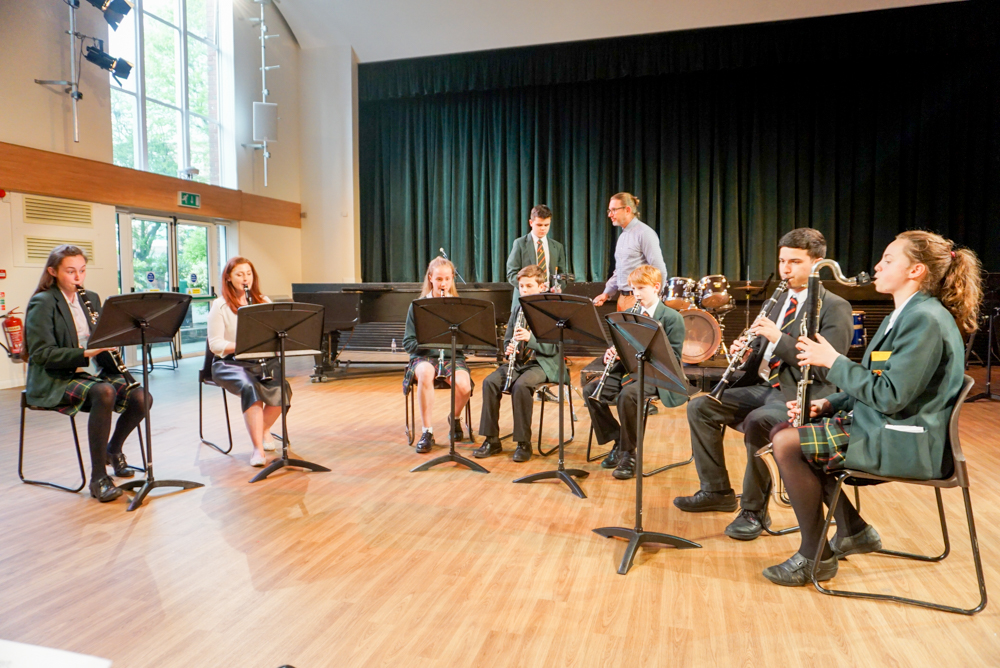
(535, 248)
(637, 245)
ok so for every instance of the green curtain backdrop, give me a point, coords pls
(730, 137)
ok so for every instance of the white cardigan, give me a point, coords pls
(222, 326)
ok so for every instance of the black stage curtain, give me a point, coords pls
(861, 126)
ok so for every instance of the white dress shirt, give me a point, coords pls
(545, 246)
(82, 329)
(765, 370)
(895, 313)
(222, 326)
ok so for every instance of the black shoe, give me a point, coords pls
(456, 427)
(103, 489)
(796, 571)
(748, 524)
(489, 448)
(703, 501)
(866, 540)
(652, 409)
(117, 461)
(425, 443)
(626, 467)
(611, 460)
(523, 452)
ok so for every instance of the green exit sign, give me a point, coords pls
(190, 200)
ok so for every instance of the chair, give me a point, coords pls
(409, 404)
(958, 478)
(205, 378)
(79, 456)
(543, 396)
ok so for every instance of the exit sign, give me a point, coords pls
(190, 200)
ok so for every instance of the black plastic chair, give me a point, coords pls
(76, 440)
(958, 478)
(409, 404)
(544, 397)
(205, 378)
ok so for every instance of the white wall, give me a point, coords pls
(269, 248)
(331, 243)
(33, 45)
(283, 87)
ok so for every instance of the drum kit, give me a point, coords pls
(703, 305)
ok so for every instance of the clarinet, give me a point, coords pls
(265, 374)
(115, 355)
(440, 370)
(596, 396)
(508, 386)
(810, 325)
(735, 362)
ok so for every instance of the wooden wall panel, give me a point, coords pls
(30, 170)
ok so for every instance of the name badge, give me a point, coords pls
(880, 355)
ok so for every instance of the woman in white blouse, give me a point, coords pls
(260, 392)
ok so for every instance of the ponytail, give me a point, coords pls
(629, 200)
(954, 275)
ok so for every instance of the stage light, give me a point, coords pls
(114, 10)
(119, 67)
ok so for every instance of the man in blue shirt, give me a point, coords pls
(637, 245)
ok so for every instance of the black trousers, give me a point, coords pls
(606, 427)
(526, 379)
(759, 407)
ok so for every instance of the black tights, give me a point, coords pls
(808, 489)
(100, 403)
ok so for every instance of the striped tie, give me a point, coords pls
(540, 255)
(775, 362)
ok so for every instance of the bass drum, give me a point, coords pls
(702, 336)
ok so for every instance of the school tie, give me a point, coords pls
(540, 255)
(775, 362)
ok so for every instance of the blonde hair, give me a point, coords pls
(954, 275)
(645, 274)
(428, 288)
(629, 200)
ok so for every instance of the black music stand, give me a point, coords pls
(142, 318)
(279, 330)
(642, 346)
(557, 318)
(342, 312)
(987, 392)
(445, 323)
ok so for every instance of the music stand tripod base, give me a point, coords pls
(637, 538)
(449, 457)
(566, 475)
(144, 487)
(286, 461)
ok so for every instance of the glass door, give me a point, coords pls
(193, 278)
(152, 254)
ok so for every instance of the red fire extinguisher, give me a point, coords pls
(13, 332)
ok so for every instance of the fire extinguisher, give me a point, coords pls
(13, 332)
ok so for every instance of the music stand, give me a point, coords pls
(342, 313)
(445, 323)
(643, 347)
(279, 330)
(557, 318)
(987, 392)
(142, 318)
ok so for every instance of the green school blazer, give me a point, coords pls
(523, 254)
(54, 352)
(903, 392)
(673, 325)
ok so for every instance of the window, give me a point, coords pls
(166, 116)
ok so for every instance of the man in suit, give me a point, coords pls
(536, 248)
(758, 397)
(645, 282)
(535, 363)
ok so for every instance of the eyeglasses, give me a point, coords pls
(611, 212)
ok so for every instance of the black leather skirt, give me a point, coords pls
(243, 378)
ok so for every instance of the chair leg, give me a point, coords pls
(142, 452)
(590, 442)
(411, 418)
(645, 417)
(909, 601)
(79, 460)
(201, 435)
(541, 421)
(468, 420)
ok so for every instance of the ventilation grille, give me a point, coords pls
(37, 249)
(50, 211)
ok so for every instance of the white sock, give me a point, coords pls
(429, 429)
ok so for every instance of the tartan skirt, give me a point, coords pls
(824, 443)
(408, 376)
(76, 393)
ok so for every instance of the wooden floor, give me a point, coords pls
(372, 565)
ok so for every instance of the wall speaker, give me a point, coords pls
(265, 121)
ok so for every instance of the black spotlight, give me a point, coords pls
(119, 67)
(114, 10)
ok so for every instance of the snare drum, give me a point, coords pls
(702, 336)
(680, 293)
(713, 291)
(860, 339)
